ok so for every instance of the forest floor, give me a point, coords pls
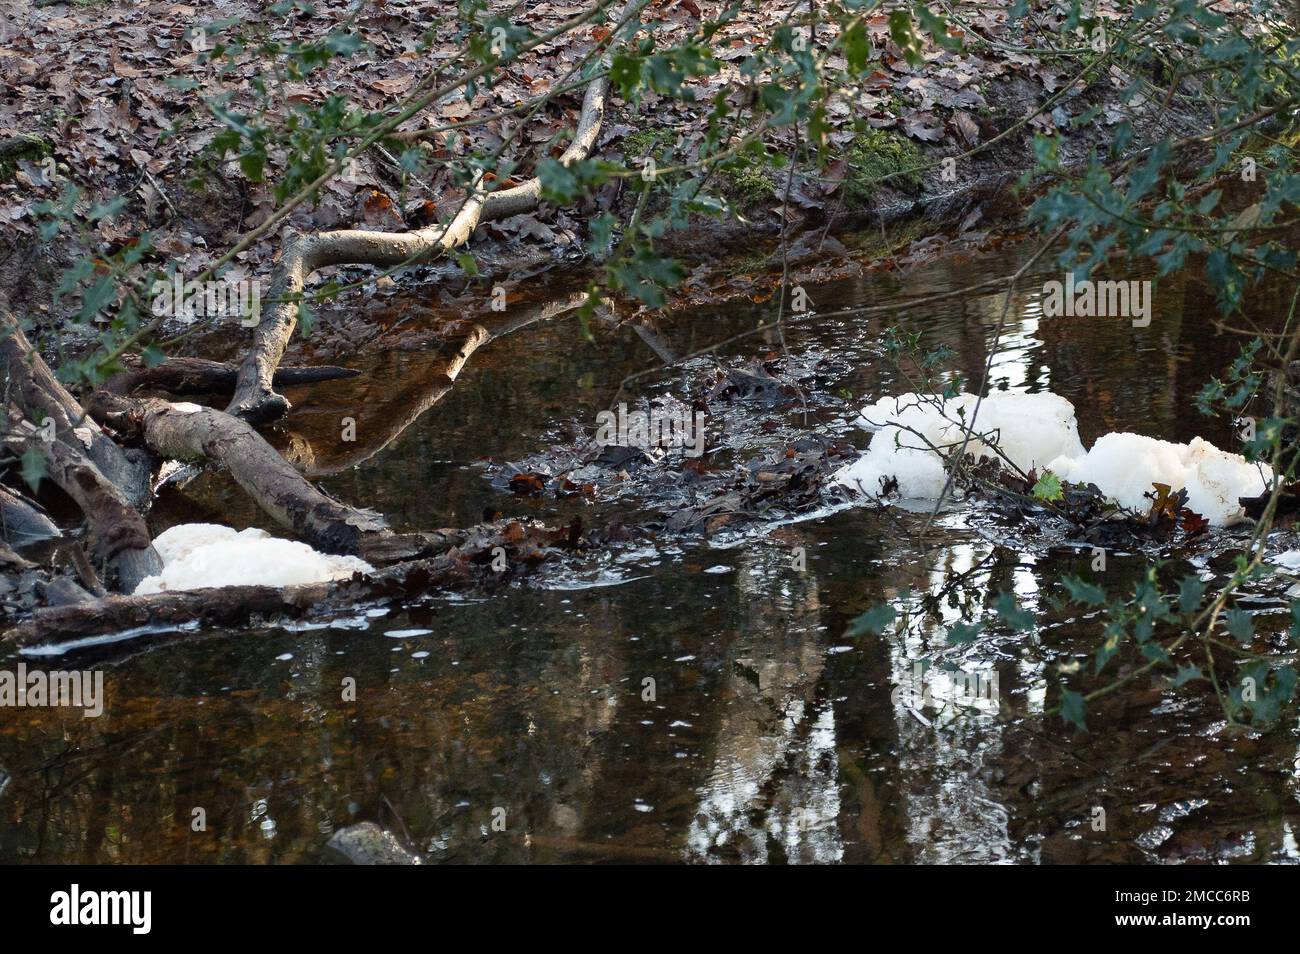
(115, 93)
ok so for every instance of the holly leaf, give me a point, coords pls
(1014, 616)
(1084, 592)
(874, 621)
(1240, 624)
(306, 319)
(1190, 592)
(33, 466)
(960, 634)
(1073, 709)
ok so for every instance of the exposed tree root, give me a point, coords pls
(254, 398)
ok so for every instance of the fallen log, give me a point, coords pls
(86, 464)
(467, 558)
(192, 433)
(38, 392)
(255, 399)
(118, 538)
(22, 521)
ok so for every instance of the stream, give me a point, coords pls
(677, 698)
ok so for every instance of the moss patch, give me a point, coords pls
(746, 179)
(652, 142)
(19, 148)
(869, 245)
(875, 154)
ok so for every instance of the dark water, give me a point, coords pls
(766, 734)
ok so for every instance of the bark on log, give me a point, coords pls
(254, 399)
(36, 390)
(22, 521)
(118, 538)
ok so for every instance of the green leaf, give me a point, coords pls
(1084, 592)
(1153, 651)
(875, 621)
(467, 264)
(252, 164)
(306, 319)
(1190, 593)
(857, 47)
(1048, 487)
(903, 33)
(960, 634)
(937, 27)
(97, 296)
(1240, 624)
(1186, 674)
(1073, 708)
(33, 465)
(1014, 616)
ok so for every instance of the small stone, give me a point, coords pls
(368, 844)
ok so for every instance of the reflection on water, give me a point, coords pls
(676, 701)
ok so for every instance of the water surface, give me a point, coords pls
(677, 700)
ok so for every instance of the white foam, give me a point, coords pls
(199, 555)
(1039, 432)
(914, 434)
(1126, 466)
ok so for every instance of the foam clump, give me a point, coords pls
(1039, 432)
(1030, 429)
(200, 555)
(1125, 467)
